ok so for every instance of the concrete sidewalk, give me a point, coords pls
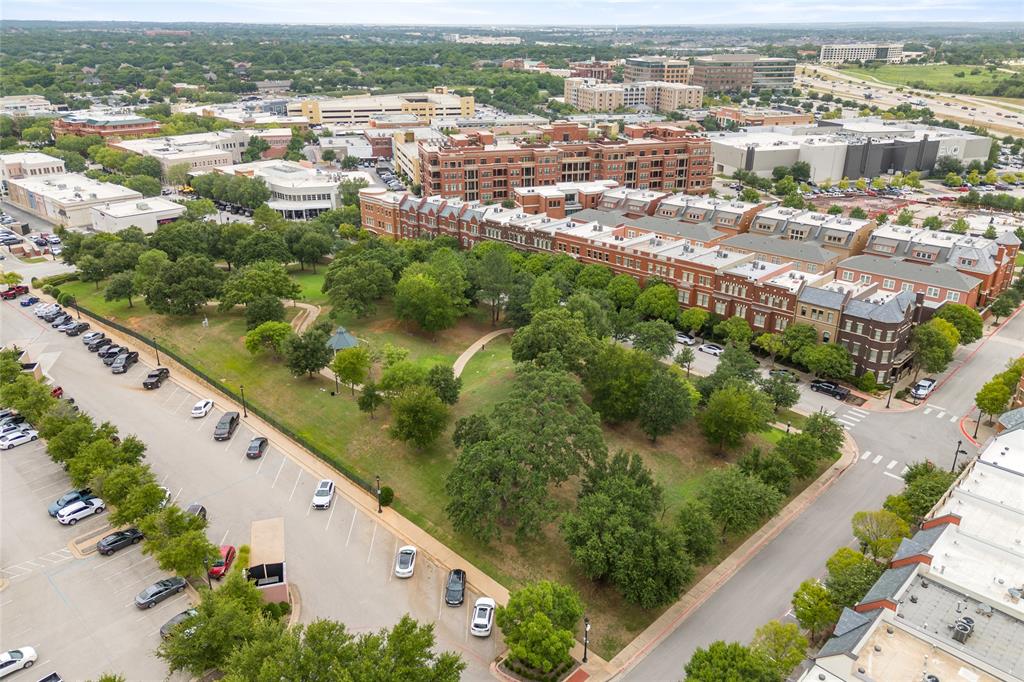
(467, 355)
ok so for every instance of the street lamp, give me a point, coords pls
(337, 388)
(241, 389)
(586, 637)
(959, 451)
(74, 302)
(977, 424)
(206, 566)
(380, 509)
(156, 347)
(892, 386)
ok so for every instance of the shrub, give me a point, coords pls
(867, 382)
(387, 496)
(55, 292)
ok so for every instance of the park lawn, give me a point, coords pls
(310, 282)
(933, 76)
(1020, 259)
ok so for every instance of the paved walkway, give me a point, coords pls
(463, 360)
(308, 313)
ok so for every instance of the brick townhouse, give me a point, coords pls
(940, 283)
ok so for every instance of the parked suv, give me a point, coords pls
(123, 362)
(155, 378)
(226, 426)
(828, 388)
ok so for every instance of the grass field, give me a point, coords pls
(932, 76)
(679, 461)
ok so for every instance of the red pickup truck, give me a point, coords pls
(14, 292)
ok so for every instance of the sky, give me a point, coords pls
(504, 12)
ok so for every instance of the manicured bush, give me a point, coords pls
(387, 496)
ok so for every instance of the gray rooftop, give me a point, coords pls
(809, 252)
(825, 298)
(850, 629)
(939, 275)
(701, 232)
(920, 543)
(890, 584)
(893, 310)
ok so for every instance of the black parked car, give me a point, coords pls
(257, 446)
(123, 362)
(118, 540)
(158, 591)
(78, 329)
(99, 344)
(226, 426)
(156, 378)
(828, 388)
(455, 587)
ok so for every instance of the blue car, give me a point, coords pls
(31, 300)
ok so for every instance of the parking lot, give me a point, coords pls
(340, 559)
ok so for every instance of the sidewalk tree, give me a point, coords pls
(418, 416)
(992, 398)
(1002, 307)
(307, 353)
(826, 360)
(772, 344)
(442, 379)
(269, 336)
(657, 338)
(370, 399)
(685, 358)
(693, 320)
(730, 661)
(828, 433)
(667, 401)
(802, 451)
(814, 609)
(798, 336)
(966, 320)
(351, 366)
(781, 389)
(734, 411)
(738, 502)
(538, 623)
(850, 576)
(658, 300)
(933, 343)
(879, 532)
(735, 331)
(782, 645)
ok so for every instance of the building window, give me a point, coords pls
(933, 292)
(953, 296)
(847, 276)
(825, 336)
(888, 284)
(865, 279)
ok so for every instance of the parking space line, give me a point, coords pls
(279, 469)
(228, 445)
(262, 460)
(953, 418)
(176, 495)
(940, 415)
(296, 485)
(369, 554)
(330, 516)
(169, 397)
(224, 539)
(927, 410)
(355, 513)
(183, 400)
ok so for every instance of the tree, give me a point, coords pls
(307, 353)
(254, 150)
(11, 278)
(693, 320)
(121, 285)
(813, 608)
(442, 379)
(623, 291)
(370, 398)
(356, 287)
(659, 301)
(144, 184)
(181, 287)
(269, 336)
(781, 644)
(905, 217)
(328, 155)
(177, 174)
(262, 278)
(700, 534)
(879, 532)
(827, 432)
(850, 576)
(750, 194)
(538, 623)
(178, 541)
(730, 662)
(325, 650)
(933, 344)
(835, 209)
(738, 502)
(616, 378)
(781, 389)
(827, 360)
(932, 222)
(657, 338)
(993, 398)
(495, 275)
(90, 269)
(685, 357)
(966, 320)
(735, 330)
(419, 416)
(667, 402)
(264, 308)
(735, 363)
(312, 246)
(1002, 307)
(351, 366)
(101, 455)
(858, 213)
(421, 299)
(802, 451)
(148, 267)
(554, 338)
(773, 344)
(734, 411)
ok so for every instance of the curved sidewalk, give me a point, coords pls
(463, 360)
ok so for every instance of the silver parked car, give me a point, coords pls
(323, 494)
(405, 562)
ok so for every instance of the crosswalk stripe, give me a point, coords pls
(940, 415)
(867, 453)
(891, 464)
(877, 459)
(859, 411)
(904, 470)
(898, 478)
(852, 417)
(927, 410)
(845, 421)
(953, 418)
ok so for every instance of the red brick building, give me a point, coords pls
(106, 125)
(602, 71)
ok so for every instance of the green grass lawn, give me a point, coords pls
(311, 282)
(932, 76)
(356, 442)
(1020, 259)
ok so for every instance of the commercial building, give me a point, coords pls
(105, 125)
(662, 69)
(851, 148)
(738, 72)
(891, 53)
(949, 606)
(249, 115)
(595, 69)
(561, 199)
(298, 191)
(591, 95)
(990, 260)
(475, 168)
(146, 214)
(757, 116)
(482, 40)
(426, 106)
(405, 149)
(28, 165)
(26, 105)
(201, 151)
(65, 199)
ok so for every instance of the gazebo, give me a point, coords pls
(341, 340)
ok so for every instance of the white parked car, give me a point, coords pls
(13, 440)
(71, 514)
(711, 349)
(405, 562)
(17, 659)
(323, 494)
(923, 388)
(167, 496)
(685, 339)
(202, 408)
(483, 617)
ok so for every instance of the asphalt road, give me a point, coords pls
(888, 441)
(341, 559)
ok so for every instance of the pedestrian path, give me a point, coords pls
(939, 412)
(888, 466)
(851, 417)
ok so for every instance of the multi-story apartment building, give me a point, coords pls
(561, 199)
(876, 328)
(105, 125)
(661, 157)
(426, 106)
(28, 165)
(822, 307)
(737, 72)
(990, 260)
(591, 95)
(588, 94)
(940, 283)
(664, 69)
(891, 53)
(841, 235)
(809, 256)
(598, 70)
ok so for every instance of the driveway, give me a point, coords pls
(340, 559)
